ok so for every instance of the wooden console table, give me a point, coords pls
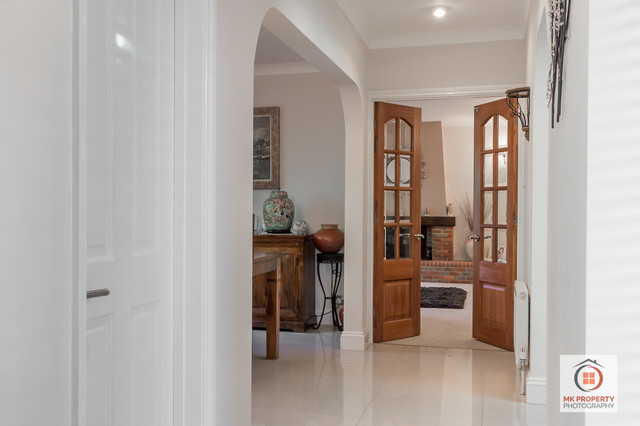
(263, 264)
(297, 294)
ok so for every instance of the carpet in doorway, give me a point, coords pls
(442, 297)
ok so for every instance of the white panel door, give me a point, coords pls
(126, 132)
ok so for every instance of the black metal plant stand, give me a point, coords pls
(337, 262)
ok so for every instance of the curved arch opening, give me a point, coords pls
(321, 117)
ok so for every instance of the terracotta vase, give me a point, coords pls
(329, 239)
(278, 212)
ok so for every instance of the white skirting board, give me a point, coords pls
(354, 340)
(537, 390)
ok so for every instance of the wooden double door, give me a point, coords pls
(397, 184)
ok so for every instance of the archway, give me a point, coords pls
(354, 336)
(229, 225)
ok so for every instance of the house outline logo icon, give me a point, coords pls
(588, 383)
(588, 376)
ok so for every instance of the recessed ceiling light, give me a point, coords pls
(439, 12)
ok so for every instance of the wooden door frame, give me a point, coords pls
(464, 92)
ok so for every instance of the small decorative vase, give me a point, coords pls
(300, 227)
(329, 239)
(278, 212)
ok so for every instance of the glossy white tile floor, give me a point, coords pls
(314, 383)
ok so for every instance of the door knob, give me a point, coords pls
(476, 237)
(91, 294)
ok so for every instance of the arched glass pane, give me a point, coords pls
(488, 134)
(405, 136)
(390, 134)
(503, 127)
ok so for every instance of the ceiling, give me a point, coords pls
(409, 23)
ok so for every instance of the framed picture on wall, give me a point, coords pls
(266, 148)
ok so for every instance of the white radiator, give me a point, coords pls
(521, 329)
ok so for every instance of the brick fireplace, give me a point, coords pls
(438, 232)
(438, 242)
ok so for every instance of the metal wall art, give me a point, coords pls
(558, 14)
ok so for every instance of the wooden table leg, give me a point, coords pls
(273, 314)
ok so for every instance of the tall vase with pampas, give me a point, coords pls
(467, 213)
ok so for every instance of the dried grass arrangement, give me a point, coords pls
(467, 211)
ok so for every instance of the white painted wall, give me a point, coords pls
(311, 145)
(593, 202)
(458, 177)
(312, 163)
(433, 195)
(454, 65)
(36, 249)
(613, 199)
(567, 220)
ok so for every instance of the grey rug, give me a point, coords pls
(442, 297)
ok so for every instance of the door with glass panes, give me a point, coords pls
(396, 294)
(494, 223)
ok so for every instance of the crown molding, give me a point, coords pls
(445, 38)
(359, 19)
(441, 93)
(283, 69)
